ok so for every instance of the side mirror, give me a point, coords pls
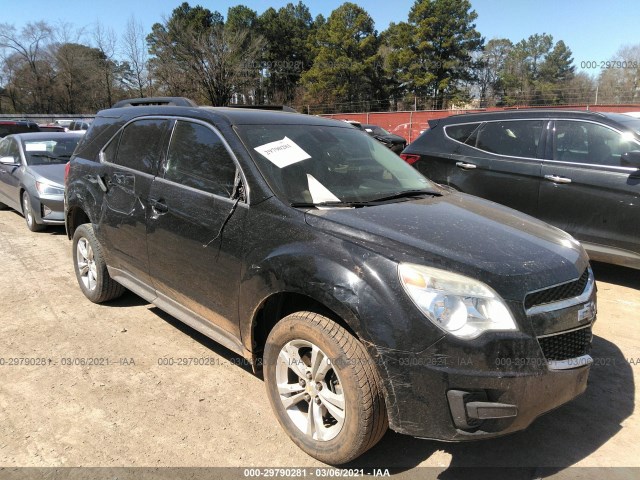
(631, 159)
(12, 161)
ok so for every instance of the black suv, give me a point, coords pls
(369, 296)
(579, 171)
(9, 127)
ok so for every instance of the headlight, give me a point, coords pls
(457, 304)
(48, 189)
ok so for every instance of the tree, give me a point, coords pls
(490, 64)
(345, 51)
(432, 52)
(135, 53)
(29, 55)
(537, 72)
(621, 83)
(195, 55)
(287, 33)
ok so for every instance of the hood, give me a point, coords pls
(508, 250)
(50, 173)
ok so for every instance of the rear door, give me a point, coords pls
(586, 190)
(499, 160)
(196, 226)
(131, 162)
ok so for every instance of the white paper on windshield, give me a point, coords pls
(320, 193)
(282, 153)
(35, 147)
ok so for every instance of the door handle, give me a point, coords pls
(158, 206)
(466, 166)
(557, 179)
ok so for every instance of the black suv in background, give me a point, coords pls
(393, 142)
(577, 170)
(369, 296)
(9, 127)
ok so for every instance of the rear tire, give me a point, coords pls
(323, 388)
(3, 206)
(90, 267)
(29, 214)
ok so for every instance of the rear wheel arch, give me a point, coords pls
(75, 217)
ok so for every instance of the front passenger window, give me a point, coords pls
(198, 159)
(587, 142)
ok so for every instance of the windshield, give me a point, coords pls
(325, 164)
(49, 151)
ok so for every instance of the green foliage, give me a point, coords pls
(536, 71)
(344, 70)
(431, 54)
(286, 32)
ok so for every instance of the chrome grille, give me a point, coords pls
(557, 293)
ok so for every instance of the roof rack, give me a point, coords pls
(168, 101)
(282, 108)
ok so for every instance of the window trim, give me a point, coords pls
(226, 145)
(119, 133)
(599, 165)
(482, 123)
(162, 163)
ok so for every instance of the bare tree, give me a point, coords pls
(200, 57)
(621, 82)
(30, 47)
(135, 52)
(106, 42)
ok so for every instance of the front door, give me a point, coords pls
(587, 190)
(196, 226)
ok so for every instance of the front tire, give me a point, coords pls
(323, 388)
(29, 214)
(90, 267)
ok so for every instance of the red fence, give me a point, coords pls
(411, 124)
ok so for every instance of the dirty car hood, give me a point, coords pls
(508, 250)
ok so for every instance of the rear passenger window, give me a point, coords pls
(461, 133)
(517, 138)
(141, 145)
(198, 158)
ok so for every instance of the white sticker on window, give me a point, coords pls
(35, 147)
(282, 153)
(320, 193)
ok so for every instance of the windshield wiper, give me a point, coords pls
(407, 194)
(328, 204)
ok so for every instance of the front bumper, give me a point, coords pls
(48, 209)
(496, 384)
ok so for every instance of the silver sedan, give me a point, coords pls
(32, 169)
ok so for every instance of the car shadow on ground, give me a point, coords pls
(553, 443)
(622, 276)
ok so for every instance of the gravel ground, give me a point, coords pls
(126, 409)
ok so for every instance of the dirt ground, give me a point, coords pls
(127, 409)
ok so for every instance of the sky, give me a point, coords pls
(593, 29)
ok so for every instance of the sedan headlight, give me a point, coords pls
(48, 189)
(457, 304)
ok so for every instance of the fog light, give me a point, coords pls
(46, 211)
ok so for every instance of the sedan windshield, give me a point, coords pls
(49, 151)
(327, 165)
